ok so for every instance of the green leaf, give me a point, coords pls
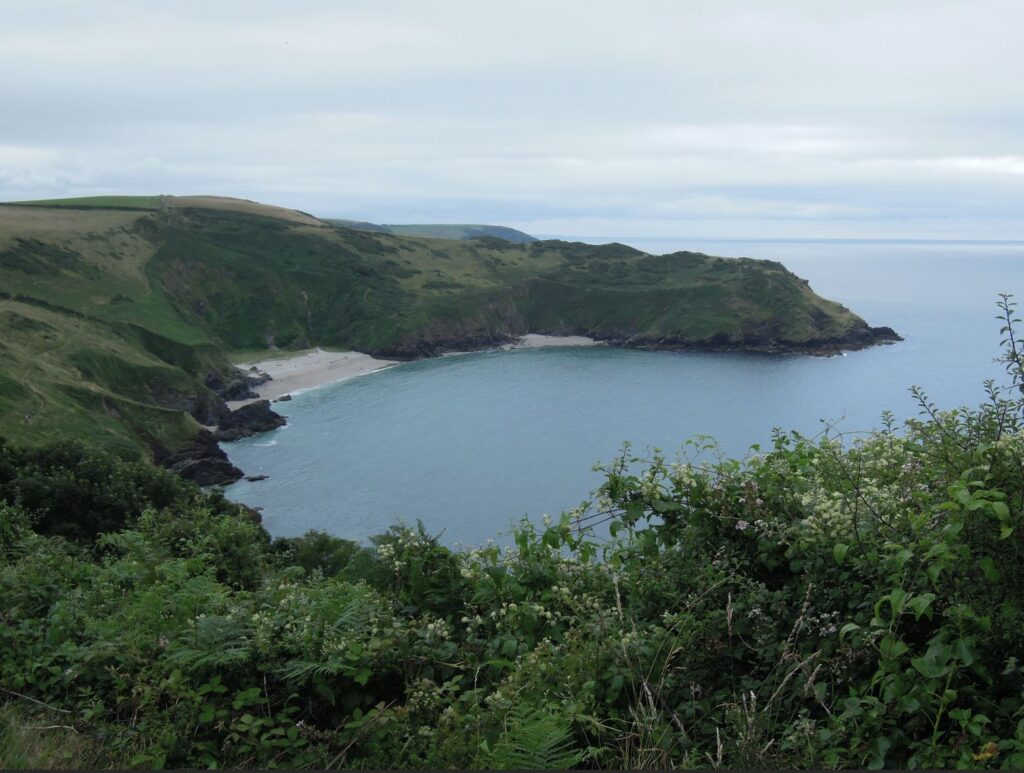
(1000, 510)
(898, 600)
(362, 676)
(962, 650)
(878, 749)
(929, 667)
(207, 713)
(324, 690)
(848, 628)
(839, 551)
(891, 648)
(921, 603)
(635, 511)
(989, 569)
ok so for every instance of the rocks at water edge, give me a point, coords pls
(200, 460)
(239, 387)
(249, 420)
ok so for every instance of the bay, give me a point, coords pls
(471, 443)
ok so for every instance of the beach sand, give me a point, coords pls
(536, 341)
(318, 367)
(305, 371)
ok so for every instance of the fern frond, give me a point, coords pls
(217, 642)
(534, 739)
(304, 670)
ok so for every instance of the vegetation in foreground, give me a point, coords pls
(819, 605)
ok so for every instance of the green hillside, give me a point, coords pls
(114, 318)
(439, 231)
(97, 202)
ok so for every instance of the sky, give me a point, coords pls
(783, 119)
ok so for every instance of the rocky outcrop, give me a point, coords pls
(433, 347)
(249, 420)
(239, 386)
(200, 460)
(859, 337)
(207, 408)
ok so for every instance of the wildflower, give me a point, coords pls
(742, 525)
(990, 750)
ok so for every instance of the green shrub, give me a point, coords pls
(830, 602)
(78, 492)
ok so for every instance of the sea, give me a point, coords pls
(471, 444)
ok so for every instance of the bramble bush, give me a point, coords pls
(838, 601)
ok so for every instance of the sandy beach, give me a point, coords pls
(305, 371)
(536, 341)
(318, 367)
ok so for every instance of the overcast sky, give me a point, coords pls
(578, 117)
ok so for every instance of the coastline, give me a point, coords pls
(314, 368)
(318, 367)
(539, 341)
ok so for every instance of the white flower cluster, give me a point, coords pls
(438, 630)
(827, 515)
(425, 696)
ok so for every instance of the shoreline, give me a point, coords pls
(293, 372)
(299, 372)
(315, 368)
(539, 341)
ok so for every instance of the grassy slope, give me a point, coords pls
(97, 202)
(90, 347)
(438, 231)
(461, 231)
(112, 318)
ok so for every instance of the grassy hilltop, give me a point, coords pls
(438, 231)
(116, 311)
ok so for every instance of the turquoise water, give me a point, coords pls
(471, 443)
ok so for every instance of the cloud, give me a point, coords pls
(724, 115)
(994, 165)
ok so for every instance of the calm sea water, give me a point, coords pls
(472, 443)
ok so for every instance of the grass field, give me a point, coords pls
(97, 202)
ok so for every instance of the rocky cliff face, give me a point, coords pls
(249, 420)
(859, 337)
(201, 459)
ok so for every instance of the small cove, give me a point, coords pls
(471, 444)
